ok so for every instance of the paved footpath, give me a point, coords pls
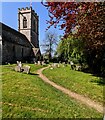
(71, 94)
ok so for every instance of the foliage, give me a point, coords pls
(85, 19)
(82, 83)
(27, 96)
(71, 49)
(71, 15)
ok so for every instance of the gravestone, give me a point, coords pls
(43, 63)
(55, 65)
(21, 68)
(39, 63)
(35, 63)
(73, 66)
(26, 69)
(17, 69)
(78, 67)
(19, 64)
(64, 64)
(58, 65)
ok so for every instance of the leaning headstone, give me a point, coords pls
(55, 65)
(78, 67)
(51, 68)
(26, 69)
(19, 64)
(38, 62)
(35, 63)
(43, 63)
(17, 69)
(58, 65)
(63, 64)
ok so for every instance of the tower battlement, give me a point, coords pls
(26, 8)
(28, 22)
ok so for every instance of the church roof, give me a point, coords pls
(36, 51)
(11, 35)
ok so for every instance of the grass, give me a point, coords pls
(79, 82)
(27, 96)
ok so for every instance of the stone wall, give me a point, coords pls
(15, 46)
(32, 29)
(12, 52)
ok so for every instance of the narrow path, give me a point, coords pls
(74, 95)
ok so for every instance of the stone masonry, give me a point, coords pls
(23, 44)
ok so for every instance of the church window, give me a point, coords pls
(24, 22)
(14, 52)
(22, 52)
(34, 25)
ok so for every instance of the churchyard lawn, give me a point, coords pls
(82, 83)
(27, 96)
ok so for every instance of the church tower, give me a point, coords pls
(28, 22)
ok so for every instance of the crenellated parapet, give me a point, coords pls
(28, 24)
(26, 8)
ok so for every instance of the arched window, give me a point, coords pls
(34, 25)
(14, 53)
(24, 22)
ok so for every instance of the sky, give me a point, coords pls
(10, 17)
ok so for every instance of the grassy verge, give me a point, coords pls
(79, 82)
(27, 96)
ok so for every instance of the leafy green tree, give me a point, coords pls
(88, 18)
(71, 49)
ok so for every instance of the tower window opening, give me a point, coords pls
(34, 25)
(24, 22)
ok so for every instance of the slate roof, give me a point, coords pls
(11, 35)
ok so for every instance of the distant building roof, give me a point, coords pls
(36, 51)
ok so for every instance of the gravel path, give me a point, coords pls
(74, 95)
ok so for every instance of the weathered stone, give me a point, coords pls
(26, 69)
(51, 68)
(19, 64)
(78, 67)
(39, 63)
(43, 63)
(54, 65)
(58, 65)
(31, 27)
(35, 63)
(19, 45)
(73, 67)
(17, 69)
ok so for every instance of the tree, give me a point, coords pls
(71, 49)
(72, 14)
(88, 20)
(50, 43)
(93, 28)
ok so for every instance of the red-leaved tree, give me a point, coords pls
(87, 19)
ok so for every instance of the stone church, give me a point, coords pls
(21, 45)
